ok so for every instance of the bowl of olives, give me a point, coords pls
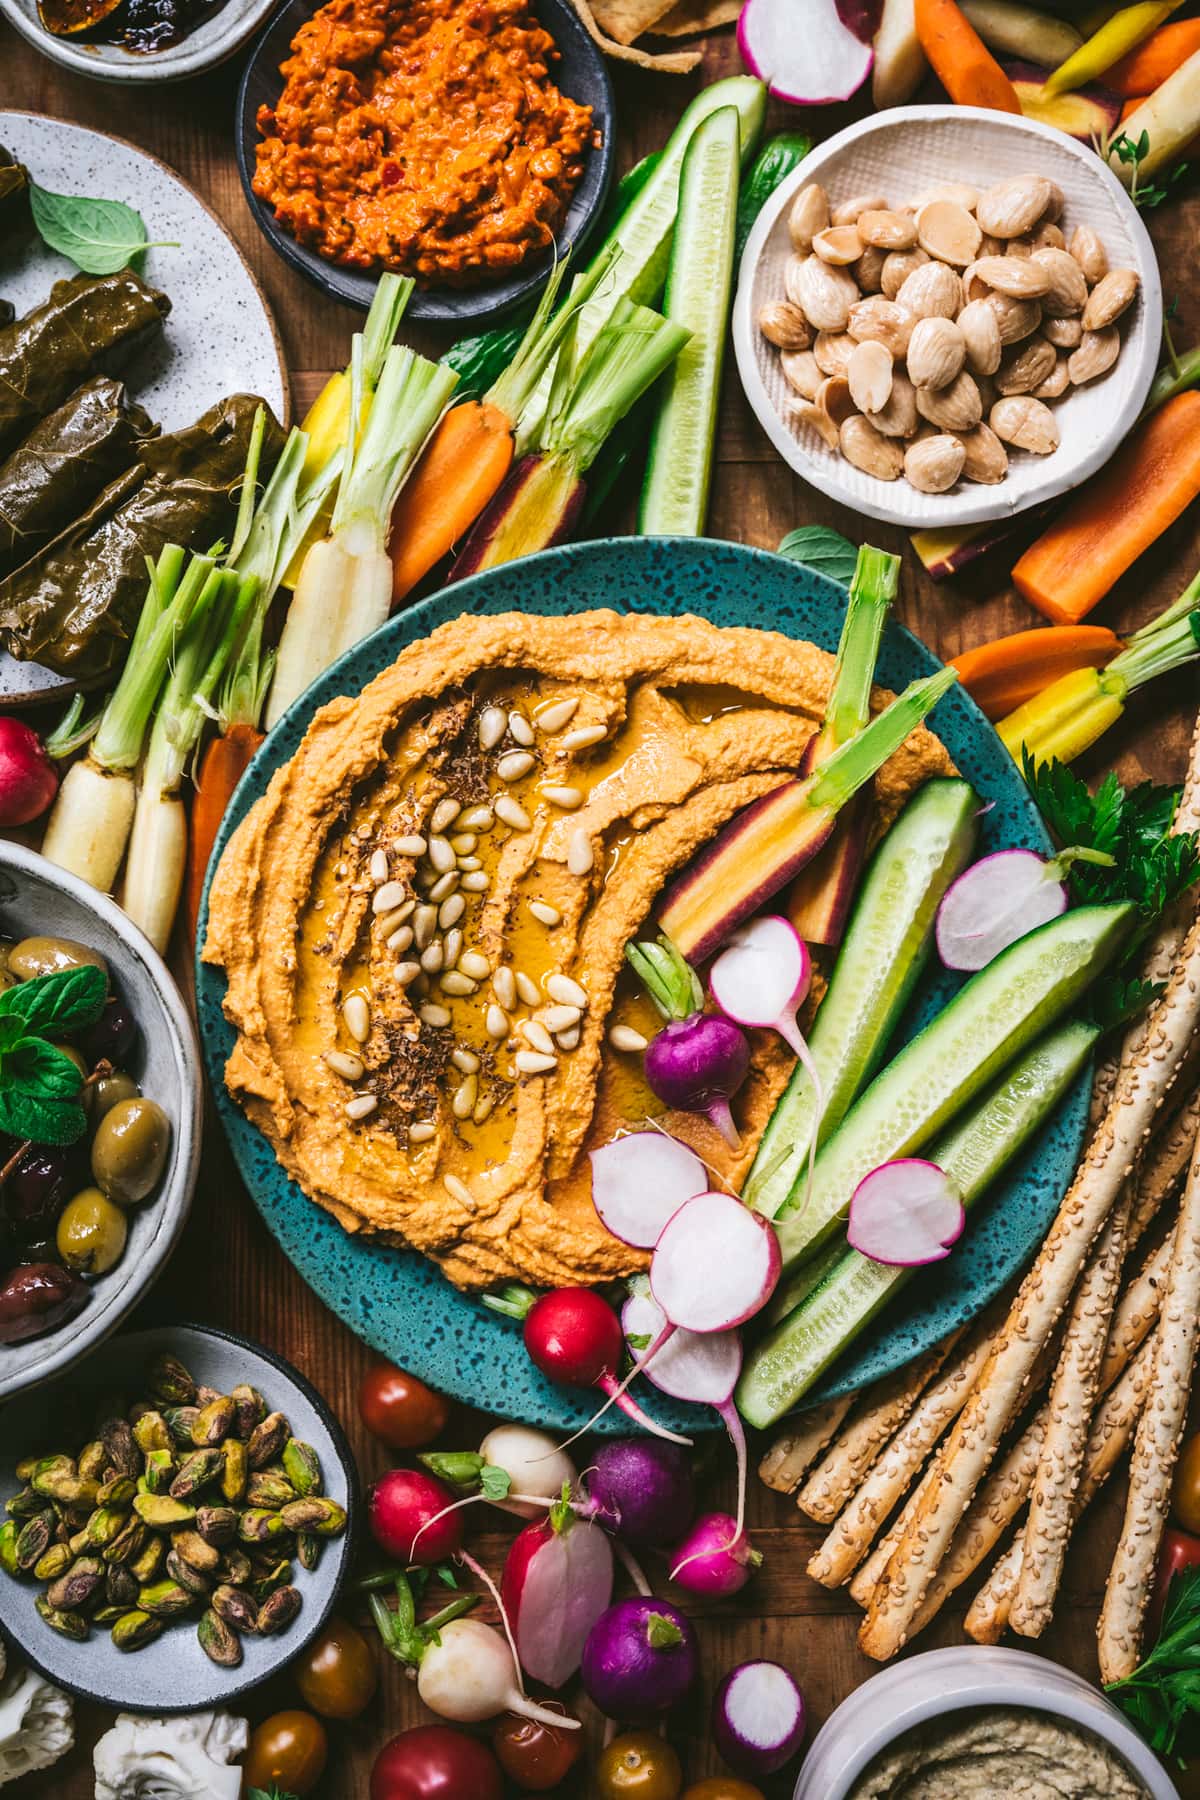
(100, 1106)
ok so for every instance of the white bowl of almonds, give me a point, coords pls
(947, 315)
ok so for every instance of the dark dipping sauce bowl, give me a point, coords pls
(580, 73)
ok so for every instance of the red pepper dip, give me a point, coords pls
(423, 136)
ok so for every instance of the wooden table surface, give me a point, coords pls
(228, 1271)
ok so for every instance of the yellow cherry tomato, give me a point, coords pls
(722, 1787)
(1185, 1499)
(639, 1765)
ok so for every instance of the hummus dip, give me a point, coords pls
(423, 921)
(999, 1753)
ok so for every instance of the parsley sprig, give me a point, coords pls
(1133, 153)
(40, 1087)
(1164, 1690)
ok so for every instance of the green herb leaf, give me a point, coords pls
(98, 236)
(822, 549)
(494, 1483)
(1164, 1690)
(638, 1340)
(446, 1575)
(39, 1089)
(275, 1793)
(64, 1001)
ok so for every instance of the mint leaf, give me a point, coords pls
(35, 1067)
(98, 236)
(823, 550)
(39, 1090)
(494, 1483)
(66, 1000)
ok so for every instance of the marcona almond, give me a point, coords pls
(1067, 292)
(1064, 334)
(1026, 366)
(898, 265)
(1055, 204)
(992, 246)
(1021, 278)
(1089, 252)
(949, 232)
(809, 214)
(847, 213)
(899, 418)
(805, 413)
(801, 372)
(832, 351)
(1056, 383)
(960, 192)
(1048, 236)
(1028, 423)
(981, 333)
(1021, 247)
(984, 457)
(881, 321)
(958, 407)
(887, 230)
(1014, 206)
(1016, 318)
(870, 376)
(838, 244)
(1097, 352)
(784, 325)
(868, 270)
(934, 464)
(869, 450)
(931, 291)
(1109, 298)
(824, 293)
(833, 397)
(936, 353)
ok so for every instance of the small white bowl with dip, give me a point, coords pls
(968, 1678)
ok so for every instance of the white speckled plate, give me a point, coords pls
(220, 337)
(900, 153)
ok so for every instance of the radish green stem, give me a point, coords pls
(73, 731)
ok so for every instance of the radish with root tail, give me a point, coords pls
(638, 1181)
(558, 1579)
(28, 778)
(516, 1468)
(715, 1559)
(806, 62)
(758, 1719)
(698, 1061)
(640, 1490)
(906, 1213)
(1004, 897)
(413, 1517)
(640, 1659)
(574, 1338)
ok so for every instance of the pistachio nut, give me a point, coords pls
(33, 1539)
(135, 1629)
(217, 1524)
(25, 1504)
(120, 1491)
(149, 1560)
(120, 1588)
(160, 1471)
(308, 1550)
(267, 1440)
(150, 1433)
(236, 1568)
(26, 1466)
(214, 1422)
(77, 1542)
(195, 1472)
(278, 1611)
(119, 1447)
(219, 1641)
(317, 1514)
(128, 1542)
(257, 1525)
(92, 1461)
(56, 1561)
(193, 1549)
(233, 1475)
(180, 1420)
(302, 1466)
(186, 1576)
(266, 1488)
(236, 1606)
(108, 1615)
(170, 1382)
(165, 1599)
(76, 1587)
(162, 1513)
(68, 1624)
(268, 1576)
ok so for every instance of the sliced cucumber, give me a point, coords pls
(883, 952)
(974, 1152)
(773, 164)
(989, 1022)
(699, 292)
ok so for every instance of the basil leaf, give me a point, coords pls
(98, 236)
(54, 1004)
(823, 550)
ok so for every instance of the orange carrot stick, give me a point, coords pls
(1152, 478)
(1004, 674)
(221, 768)
(961, 60)
(468, 457)
(1130, 106)
(1147, 67)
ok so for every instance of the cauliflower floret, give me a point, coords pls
(36, 1724)
(188, 1758)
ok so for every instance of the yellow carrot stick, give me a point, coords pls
(1115, 39)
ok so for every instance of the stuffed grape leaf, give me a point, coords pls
(16, 218)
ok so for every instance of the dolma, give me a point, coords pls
(90, 325)
(74, 605)
(64, 463)
(16, 217)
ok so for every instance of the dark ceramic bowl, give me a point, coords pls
(580, 72)
(173, 1674)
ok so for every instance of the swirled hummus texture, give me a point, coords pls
(999, 1751)
(350, 867)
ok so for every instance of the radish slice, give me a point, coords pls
(639, 1181)
(906, 1213)
(558, 1579)
(758, 1718)
(806, 61)
(993, 903)
(715, 1265)
(691, 1365)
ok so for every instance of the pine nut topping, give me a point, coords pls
(579, 853)
(421, 1132)
(444, 886)
(411, 846)
(483, 1109)
(475, 964)
(451, 911)
(559, 1018)
(465, 1096)
(400, 939)
(350, 1068)
(463, 843)
(569, 799)
(434, 1015)
(515, 764)
(452, 945)
(527, 988)
(453, 982)
(440, 854)
(458, 1190)
(470, 865)
(505, 987)
(475, 882)
(405, 973)
(624, 1037)
(424, 925)
(544, 913)
(465, 1061)
(530, 1062)
(357, 1015)
(496, 1022)
(537, 1037)
(492, 725)
(476, 818)
(561, 987)
(556, 715)
(386, 898)
(508, 810)
(520, 730)
(584, 736)
(445, 813)
(361, 1107)
(432, 958)
(378, 866)
(569, 1039)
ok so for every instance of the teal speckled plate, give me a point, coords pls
(398, 1302)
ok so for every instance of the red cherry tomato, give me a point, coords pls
(400, 1410)
(432, 1762)
(336, 1674)
(536, 1756)
(287, 1751)
(1179, 1551)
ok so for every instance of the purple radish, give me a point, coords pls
(996, 901)
(715, 1265)
(638, 1181)
(715, 1559)
(558, 1579)
(758, 1719)
(698, 1061)
(641, 1490)
(823, 62)
(906, 1213)
(640, 1659)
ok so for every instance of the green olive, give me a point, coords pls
(43, 955)
(80, 1061)
(7, 978)
(91, 1233)
(106, 1093)
(129, 1150)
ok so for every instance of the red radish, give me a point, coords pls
(511, 1462)
(715, 1559)
(824, 61)
(715, 1265)
(28, 778)
(640, 1490)
(758, 1718)
(639, 1180)
(996, 901)
(906, 1213)
(558, 1579)
(640, 1659)
(698, 1061)
(574, 1337)
(412, 1517)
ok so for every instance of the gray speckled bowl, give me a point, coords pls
(219, 36)
(38, 898)
(173, 1674)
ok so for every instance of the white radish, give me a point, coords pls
(906, 1213)
(715, 1265)
(997, 900)
(535, 1466)
(638, 1181)
(90, 822)
(471, 1675)
(155, 866)
(805, 61)
(899, 59)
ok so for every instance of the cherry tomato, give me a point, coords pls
(536, 1756)
(1185, 1496)
(336, 1675)
(400, 1410)
(639, 1765)
(1177, 1553)
(432, 1762)
(287, 1751)
(722, 1787)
